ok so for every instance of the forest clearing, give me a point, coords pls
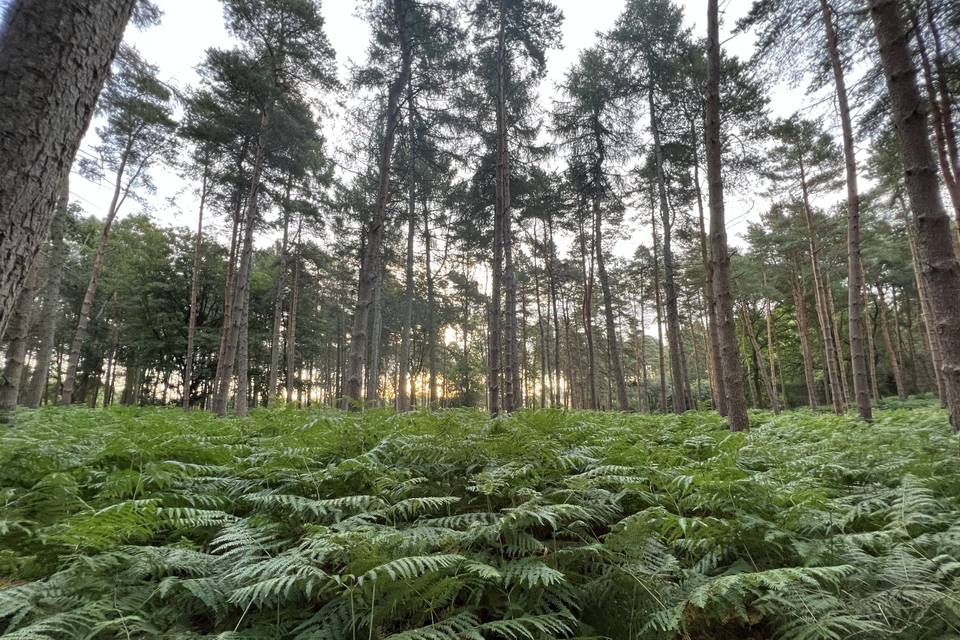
(479, 319)
(154, 523)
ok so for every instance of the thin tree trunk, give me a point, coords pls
(588, 318)
(871, 355)
(768, 383)
(194, 292)
(291, 378)
(431, 329)
(938, 261)
(719, 255)
(80, 335)
(892, 351)
(273, 373)
(51, 302)
(858, 358)
(823, 314)
(677, 363)
(369, 271)
(659, 304)
(19, 331)
(241, 277)
(799, 303)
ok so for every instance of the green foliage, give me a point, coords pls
(154, 523)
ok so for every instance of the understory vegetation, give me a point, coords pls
(136, 523)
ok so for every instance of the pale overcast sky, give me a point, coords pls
(189, 27)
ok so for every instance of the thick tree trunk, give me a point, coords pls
(194, 292)
(858, 358)
(51, 303)
(369, 271)
(938, 262)
(552, 281)
(372, 390)
(241, 279)
(719, 255)
(54, 58)
(242, 403)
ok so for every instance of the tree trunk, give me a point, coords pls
(19, 330)
(51, 302)
(403, 401)
(273, 373)
(938, 262)
(677, 360)
(241, 286)
(242, 404)
(720, 258)
(858, 358)
(892, 352)
(80, 335)
(194, 292)
(823, 313)
(716, 368)
(588, 318)
(659, 303)
(291, 378)
(431, 328)
(799, 303)
(768, 383)
(369, 271)
(54, 58)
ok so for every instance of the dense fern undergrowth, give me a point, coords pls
(140, 523)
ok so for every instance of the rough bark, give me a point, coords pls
(242, 402)
(938, 261)
(55, 56)
(719, 254)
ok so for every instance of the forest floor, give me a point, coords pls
(152, 523)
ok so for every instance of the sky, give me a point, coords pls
(189, 27)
